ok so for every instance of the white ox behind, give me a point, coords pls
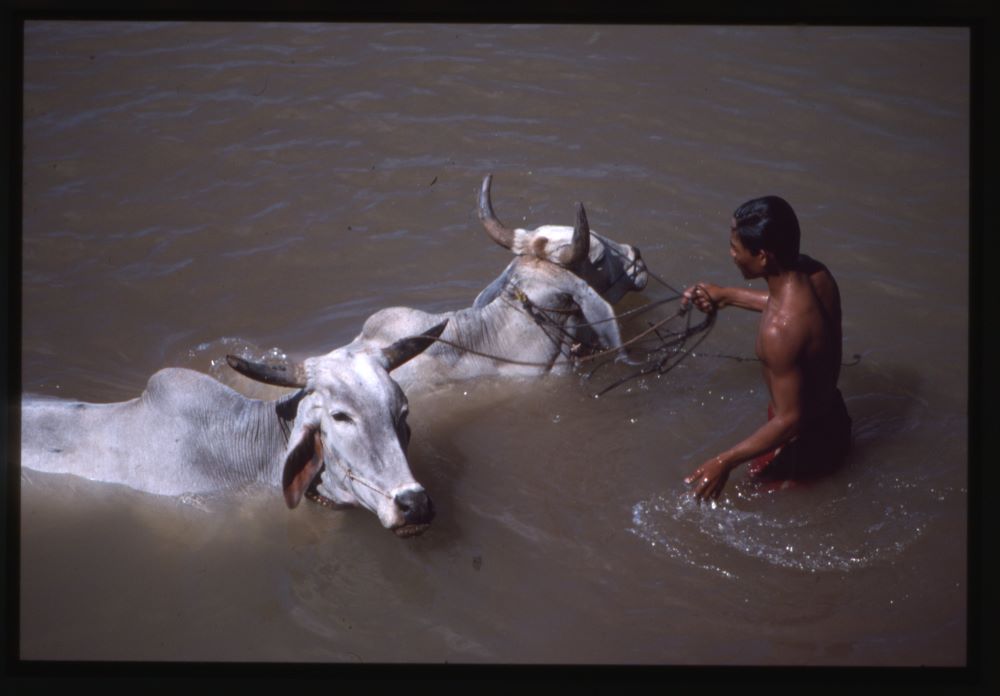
(572, 274)
(340, 439)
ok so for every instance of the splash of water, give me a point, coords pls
(841, 534)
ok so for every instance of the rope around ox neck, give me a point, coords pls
(542, 317)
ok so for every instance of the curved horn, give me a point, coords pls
(278, 375)
(581, 237)
(503, 236)
(410, 347)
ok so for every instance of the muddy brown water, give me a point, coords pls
(191, 189)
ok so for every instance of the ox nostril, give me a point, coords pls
(416, 506)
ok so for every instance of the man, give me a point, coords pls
(808, 430)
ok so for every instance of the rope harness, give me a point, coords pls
(662, 347)
(349, 473)
(316, 497)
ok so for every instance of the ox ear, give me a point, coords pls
(597, 313)
(407, 348)
(302, 463)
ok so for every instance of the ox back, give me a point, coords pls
(186, 433)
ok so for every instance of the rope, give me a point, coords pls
(855, 359)
(354, 477)
(669, 348)
(673, 352)
(498, 358)
(349, 473)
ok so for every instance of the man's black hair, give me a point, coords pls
(769, 223)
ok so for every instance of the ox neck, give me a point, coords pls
(261, 437)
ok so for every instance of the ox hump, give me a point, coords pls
(552, 243)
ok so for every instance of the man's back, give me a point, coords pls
(806, 313)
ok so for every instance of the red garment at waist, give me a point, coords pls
(818, 450)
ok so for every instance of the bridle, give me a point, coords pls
(669, 347)
(315, 496)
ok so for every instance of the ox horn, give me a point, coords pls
(581, 237)
(503, 236)
(278, 375)
(406, 348)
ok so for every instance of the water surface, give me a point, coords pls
(193, 189)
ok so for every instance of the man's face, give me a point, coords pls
(751, 265)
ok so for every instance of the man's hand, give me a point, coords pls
(709, 479)
(705, 297)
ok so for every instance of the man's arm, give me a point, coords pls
(708, 297)
(781, 348)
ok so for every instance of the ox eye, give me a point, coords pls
(342, 417)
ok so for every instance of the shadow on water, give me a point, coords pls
(884, 401)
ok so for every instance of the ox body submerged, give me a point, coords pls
(571, 275)
(340, 439)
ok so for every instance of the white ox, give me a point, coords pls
(569, 276)
(340, 440)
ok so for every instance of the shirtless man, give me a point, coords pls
(808, 430)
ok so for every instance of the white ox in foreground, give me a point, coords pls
(340, 440)
(568, 277)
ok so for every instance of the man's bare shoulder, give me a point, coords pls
(822, 281)
(782, 334)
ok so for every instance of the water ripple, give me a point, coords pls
(841, 534)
